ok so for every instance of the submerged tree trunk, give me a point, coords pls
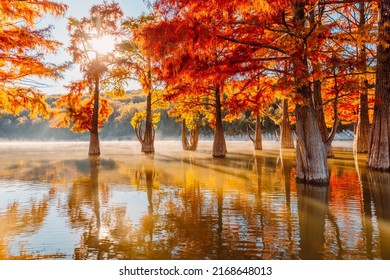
(94, 143)
(286, 139)
(312, 166)
(257, 141)
(362, 132)
(219, 144)
(148, 140)
(379, 148)
(192, 144)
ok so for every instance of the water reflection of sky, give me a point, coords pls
(138, 206)
(22, 192)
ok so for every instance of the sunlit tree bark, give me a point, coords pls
(379, 148)
(286, 138)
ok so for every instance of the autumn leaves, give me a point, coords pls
(312, 62)
(22, 50)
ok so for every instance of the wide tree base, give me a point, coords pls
(94, 144)
(219, 155)
(147, 149)
(313, 182)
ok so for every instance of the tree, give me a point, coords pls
(188, 109)
(253, 41)
(89, 37)
(286, 139)
(23, 48)
(137, 64)
(251, 97)
(193, 57)
(379, 148)
(361, 141)
(76, 108)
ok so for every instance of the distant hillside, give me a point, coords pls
(22, 128)
(118, 128)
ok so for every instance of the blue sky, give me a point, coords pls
(78, 9)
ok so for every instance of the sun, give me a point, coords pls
(103, 45)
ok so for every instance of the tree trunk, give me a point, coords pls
(191, 145)
(379, 148)
(194, 137)
(258, 145)
(94, 143)
(317, 97)
(312, 166)
(148, 141)
(184, 140)
(219, 145)
(286, 139)
(362, 132)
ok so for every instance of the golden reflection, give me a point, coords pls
(312, 208)
(18, 220)
(378, 183)
(286, 162)
(188, 206)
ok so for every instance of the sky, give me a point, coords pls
(79, 9)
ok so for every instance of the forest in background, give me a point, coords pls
(118, 127)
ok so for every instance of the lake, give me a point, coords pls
(56, 203)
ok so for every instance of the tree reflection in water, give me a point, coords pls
(188, 206)
(19, 220)
(379, 183)
(376, 199)
(84, 210)
(312, 208)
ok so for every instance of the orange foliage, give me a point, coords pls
(240, 41)
(75, 109)
(22, 51)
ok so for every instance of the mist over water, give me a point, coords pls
(55, 202)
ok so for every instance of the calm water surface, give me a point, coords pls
(55, 202)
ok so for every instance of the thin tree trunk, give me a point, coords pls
(321, 117)
(184, 140)
(286, 139)
(317, 97)
(258, 145)
(148, 141)
(94, 143)
(312, 166)
(379, 148)
(362, 132)
(219, 144)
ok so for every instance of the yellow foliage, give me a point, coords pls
(139, 117)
